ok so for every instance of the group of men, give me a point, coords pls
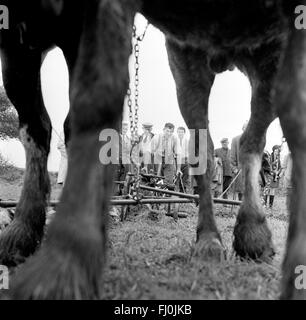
(228, 167)
(164, 154)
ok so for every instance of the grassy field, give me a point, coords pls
(152, 259)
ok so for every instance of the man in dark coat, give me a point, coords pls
(124, 165)
(182, 159)
(224, 154)
(236, 164)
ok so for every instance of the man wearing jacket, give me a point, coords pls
(164, 148)
(145, 145)
(182, 159)
(236, 164)
(224, 154)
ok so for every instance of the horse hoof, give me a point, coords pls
(55, 275)
(253, 240)
(209, 249)
(17, 242)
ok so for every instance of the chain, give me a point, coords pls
(133, 116)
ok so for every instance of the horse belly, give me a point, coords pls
(219, 24)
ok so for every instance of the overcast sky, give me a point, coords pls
(229, 105)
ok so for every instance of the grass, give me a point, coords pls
(11, 174)
(152, 260)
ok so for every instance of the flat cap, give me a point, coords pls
(147, 125)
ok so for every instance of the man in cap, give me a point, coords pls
(145, 142)
(124, 165)
(224, 153)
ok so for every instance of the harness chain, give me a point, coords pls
(134, 118)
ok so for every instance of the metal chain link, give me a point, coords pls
(133, 116)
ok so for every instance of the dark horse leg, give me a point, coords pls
(290, 100)
(21, 78)
(69, 264)
(252, 237)
(193, 82)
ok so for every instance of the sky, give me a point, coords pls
(229, 104)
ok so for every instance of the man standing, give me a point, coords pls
(224, 153)
(217, 177)
(164, 148)
(126, 148)
(124, 165)
(275, 172)
(182, 159)
(236, 165)
(145, 142)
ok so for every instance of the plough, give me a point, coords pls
(127, 202)
(153, 192)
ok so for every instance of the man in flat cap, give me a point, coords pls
(124, 164)
(145, 143)
(224, 153)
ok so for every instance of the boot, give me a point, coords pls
(271, 202)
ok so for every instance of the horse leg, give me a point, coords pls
(291, 103)
(193, 82)
(70, 263)
(252, 237)
(21, 78)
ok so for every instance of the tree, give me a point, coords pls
(8, 118)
